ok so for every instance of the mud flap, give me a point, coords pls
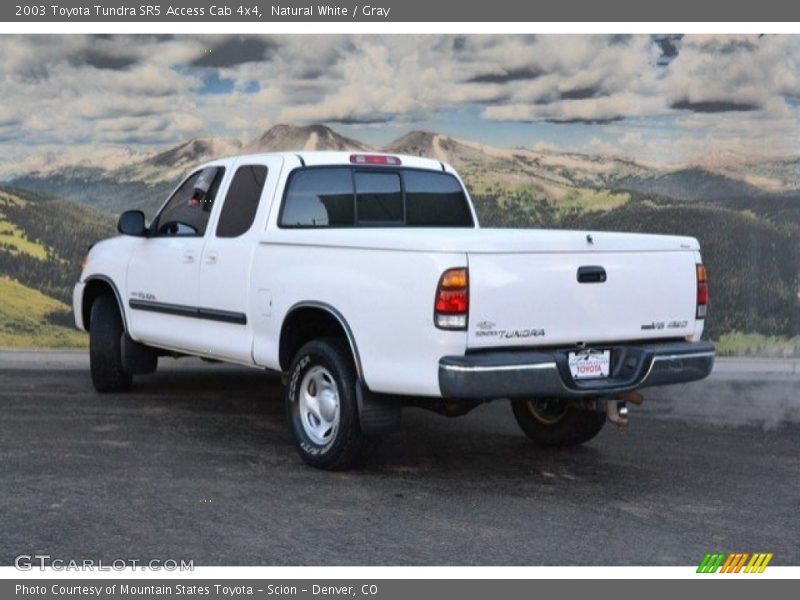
(137, 359)
(379, 414)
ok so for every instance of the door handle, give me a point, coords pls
(591, 274)
(188, 257)
(211, 258)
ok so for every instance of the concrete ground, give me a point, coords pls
(197, 463)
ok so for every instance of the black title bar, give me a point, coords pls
(259, 11)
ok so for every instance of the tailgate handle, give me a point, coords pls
(591, 274)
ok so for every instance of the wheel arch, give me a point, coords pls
(308, 320)
(96, 286)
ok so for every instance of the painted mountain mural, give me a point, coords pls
(747, 219)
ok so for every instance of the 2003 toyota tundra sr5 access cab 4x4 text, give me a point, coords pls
(366, 280)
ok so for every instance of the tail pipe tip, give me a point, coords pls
(617, 412)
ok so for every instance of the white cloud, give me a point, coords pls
(719, 92)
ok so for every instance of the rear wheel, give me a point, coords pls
(105, 347)
(322, 407)
(554, 422)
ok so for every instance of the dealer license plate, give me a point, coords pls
(590, 364)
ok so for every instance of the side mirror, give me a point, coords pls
(131, 222)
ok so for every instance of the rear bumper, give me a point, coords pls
(527, 374)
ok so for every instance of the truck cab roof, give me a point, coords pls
(316, 158)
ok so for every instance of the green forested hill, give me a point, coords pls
(99, 190)
(42, 241)
(27, 319)
(751, 248)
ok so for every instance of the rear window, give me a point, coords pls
(319, 198)
(348, 197)
(379, 198)
(435, 200)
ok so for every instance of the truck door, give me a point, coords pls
(163, 271)
(227, 259)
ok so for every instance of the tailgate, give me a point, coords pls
(535, 299)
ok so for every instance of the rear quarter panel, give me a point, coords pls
(386, 297)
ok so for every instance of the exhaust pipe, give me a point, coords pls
(617, 408)
(632, 398)
(617, 412)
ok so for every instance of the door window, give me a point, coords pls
(187, 211)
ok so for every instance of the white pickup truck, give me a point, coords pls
(366, 280)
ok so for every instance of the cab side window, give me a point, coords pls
(187, 211)
(241, 201)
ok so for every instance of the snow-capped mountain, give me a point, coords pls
(311, 137)
(115, 179)
(169, 165)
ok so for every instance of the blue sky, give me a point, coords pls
(663, 99)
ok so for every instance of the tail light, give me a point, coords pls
(702, 292)
(375, 159)
(452, 300)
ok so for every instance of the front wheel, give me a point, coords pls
(553, 422)
(322, 407)
(105, 347)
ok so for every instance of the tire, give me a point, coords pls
(322, 408)
(552, 423)
(105, 347)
